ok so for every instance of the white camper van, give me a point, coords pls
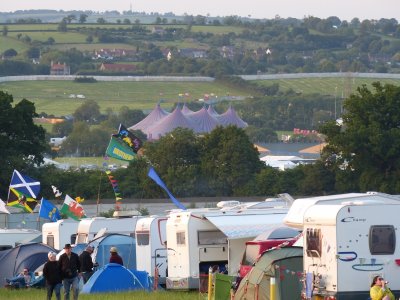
(346, 244)
(201, 238)
(98, 226)
(151, 246)
(9, 238)
(57, 234)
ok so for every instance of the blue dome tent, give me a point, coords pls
(116, 278)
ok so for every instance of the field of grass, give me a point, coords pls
(59, 37)
(339, 87)
(12, 43)
(40, 294)
(52, 97)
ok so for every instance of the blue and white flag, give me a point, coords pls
(49, 211)
(25, 184)
(153, 175)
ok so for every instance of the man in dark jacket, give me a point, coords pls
(86, 262)
(52, 274)
(70, 267)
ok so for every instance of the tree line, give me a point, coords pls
(362, 154)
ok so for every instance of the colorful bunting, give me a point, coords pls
(49, 211)
(153, 175)
(72, 209)
(117, 192)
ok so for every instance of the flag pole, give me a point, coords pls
(98, 195)
(38, 218)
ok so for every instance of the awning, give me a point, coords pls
(245, 225)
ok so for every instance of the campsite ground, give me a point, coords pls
(39, 294)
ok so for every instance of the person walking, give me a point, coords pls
(52, 274)
(85, 260)
(114, 256)
(70, 267)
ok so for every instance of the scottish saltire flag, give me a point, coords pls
(72, 209)
(20, 200)
(153, 175)
(3, 207)
(49, 211)
(25, 184)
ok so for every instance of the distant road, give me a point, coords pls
(203, 78)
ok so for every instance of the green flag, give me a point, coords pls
(119, 150)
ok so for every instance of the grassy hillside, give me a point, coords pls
(53, 97)
(340, 87)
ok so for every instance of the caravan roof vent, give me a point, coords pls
(229, 203)
(125, 213)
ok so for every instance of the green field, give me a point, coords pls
(12, 43)
(40, 294)
(53, 97)
(336, 87)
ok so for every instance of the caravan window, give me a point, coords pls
(50, 240)
(382, 239)
(73, 238)
(180, 238)
(211, 238)
(313, 242)
(142, 238)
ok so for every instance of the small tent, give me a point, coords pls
(13, 261)
(116, 278)
(283, 264)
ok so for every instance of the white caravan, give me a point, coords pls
(57, 234)
(151, 246)
(201, 238)
(346, 244)
(98, 226)
(9, 238)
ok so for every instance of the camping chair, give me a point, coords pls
(203, 286)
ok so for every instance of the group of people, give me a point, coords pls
(68, 270)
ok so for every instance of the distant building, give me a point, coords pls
(59, 69)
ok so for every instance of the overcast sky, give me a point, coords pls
(344, 9)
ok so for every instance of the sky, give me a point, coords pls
(344, 9)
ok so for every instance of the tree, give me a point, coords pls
(5, 30)
(10, 53)
(62, 26)
(101, 21)
(176, 158)
(229, 160)
(22, 143)
(88, 112)
(82, 18)
(364, 152)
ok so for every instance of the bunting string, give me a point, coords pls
(117, 193)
